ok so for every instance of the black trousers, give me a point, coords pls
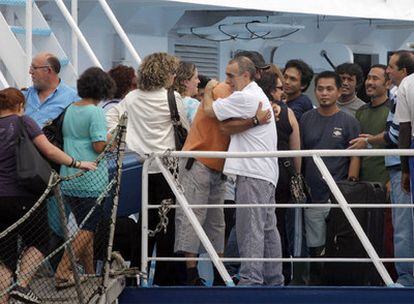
(166, 273)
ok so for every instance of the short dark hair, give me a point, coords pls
(352, 69)
(203, 81)
(54, 63)
(306, 72)
(331, 75)
(405, 60)
(96, 84)
(245, 65)
(255, 57)
(381, 66)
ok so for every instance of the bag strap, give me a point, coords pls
(21, 128)
(288, 165)
(172, 103)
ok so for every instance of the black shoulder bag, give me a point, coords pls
(180, 133)
(33, 171)
(53, 130)
(298, 187)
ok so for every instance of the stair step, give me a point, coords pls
(13, 2)
(36, 31)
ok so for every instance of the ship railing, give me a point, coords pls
(181, 202)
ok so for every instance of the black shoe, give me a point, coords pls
(197, 282)
(24, 294)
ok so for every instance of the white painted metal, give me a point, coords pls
(13, 56)
(120, 31)
(74, 59)
(78, 32)
(375, 9)
(48, 44)
(144, 221)
(357, 206)
(290, 153)
(3, 81)
(29, 37)
(196, 225)
(353, 221)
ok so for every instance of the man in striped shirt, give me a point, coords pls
(401, 64)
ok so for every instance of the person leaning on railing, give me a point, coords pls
(16, 200)
(149, 130)
(85, 136)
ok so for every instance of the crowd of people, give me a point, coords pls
(258, 107)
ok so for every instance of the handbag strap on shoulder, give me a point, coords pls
(172, 103)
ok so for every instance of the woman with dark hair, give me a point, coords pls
(16, 200)
(125, 80)
(85, 136)
(288, 139)
(186, 83)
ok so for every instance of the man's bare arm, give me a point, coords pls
(238, 125)
(207, 103)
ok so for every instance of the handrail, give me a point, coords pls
(3, 80)
(357, 206)
(74, 59)
(289, 153)
(118, 28)
(28, 37)
(316, 155)
(78, 32)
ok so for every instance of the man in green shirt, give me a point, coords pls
(373, 118)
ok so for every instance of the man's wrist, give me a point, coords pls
(255, 121)
(369, 146)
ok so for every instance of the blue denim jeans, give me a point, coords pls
(403, 223)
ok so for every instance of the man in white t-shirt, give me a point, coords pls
(404, 115)
(257, 235)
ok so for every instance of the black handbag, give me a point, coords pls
(33, 171)
(180, 133)
(298, 187)
(53, 130)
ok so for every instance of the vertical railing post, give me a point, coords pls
(144, 222)
(28, 38)
(353, 220)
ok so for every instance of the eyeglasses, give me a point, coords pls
(34, 68)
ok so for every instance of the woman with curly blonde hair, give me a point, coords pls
(150, 130)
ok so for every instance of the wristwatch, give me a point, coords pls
(255, 121)
(369, 146)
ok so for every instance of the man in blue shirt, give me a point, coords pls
(298, 76)
(48, 96)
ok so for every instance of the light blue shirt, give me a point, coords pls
(191, 107)
(82, 126)
(52, 106)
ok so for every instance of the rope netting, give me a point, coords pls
(61, 247)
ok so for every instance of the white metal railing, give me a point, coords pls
(29, 38)
(118, 28)
(77, 31)
(316, 155)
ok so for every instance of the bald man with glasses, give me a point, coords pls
(48, 96)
